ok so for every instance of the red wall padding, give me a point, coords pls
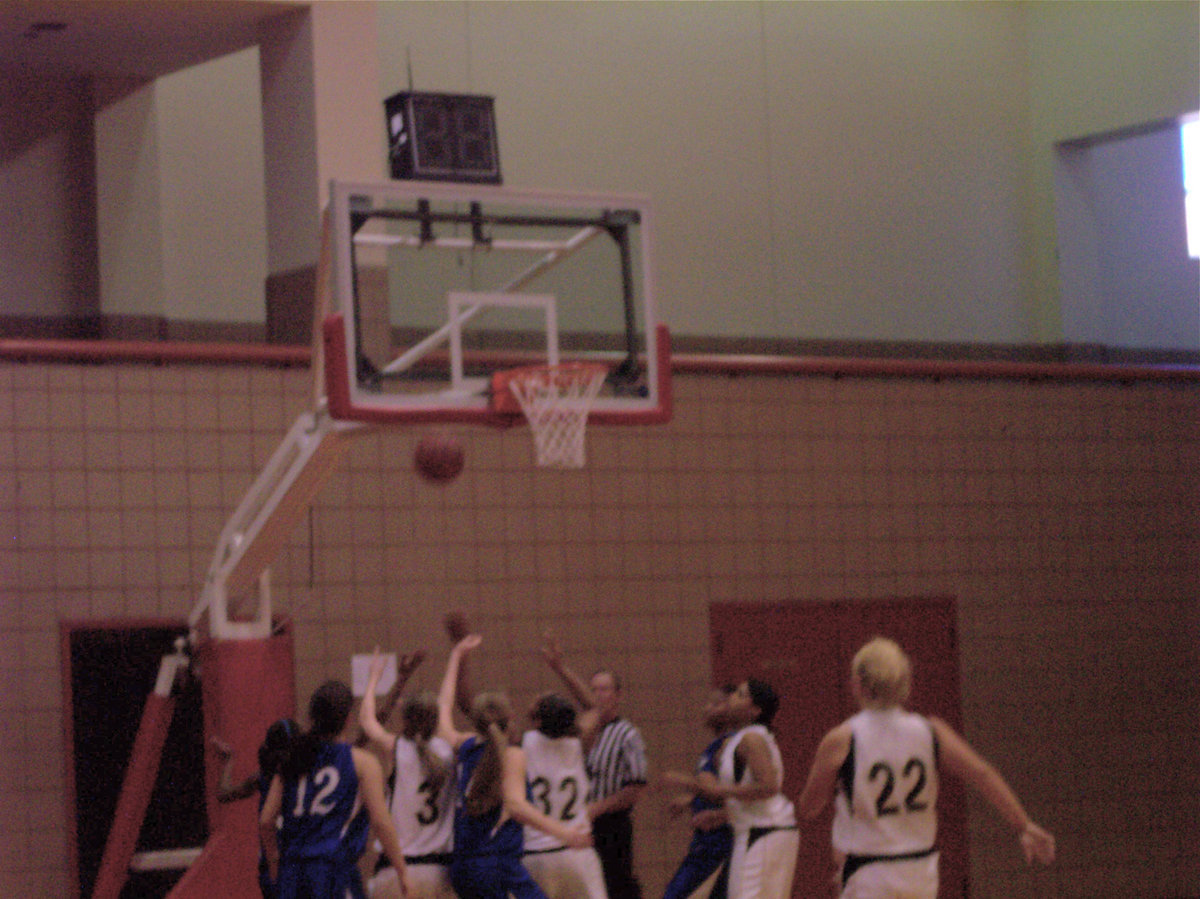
(246, 685)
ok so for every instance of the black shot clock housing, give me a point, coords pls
(442, 137)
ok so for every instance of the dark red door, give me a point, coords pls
(804, 649)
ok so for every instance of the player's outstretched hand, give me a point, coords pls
(578, 838)
(375, 669)
(409, 662)
(221, 748)
(678, 803)
(710, 819)
(551, 651)
(467, 643)
(1037, 844)
(680, 780)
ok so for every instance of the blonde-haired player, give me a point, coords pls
(881, 768)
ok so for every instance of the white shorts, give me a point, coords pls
(763, 867)
(567, 873)
(915, 878)
(427, 882)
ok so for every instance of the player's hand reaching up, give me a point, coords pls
(408, 663)
(375, 669)
(467, 643)
(551, 651)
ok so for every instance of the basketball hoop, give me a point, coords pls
(555, 400)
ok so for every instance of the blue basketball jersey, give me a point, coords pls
(490, 833)
(720, 839)
(323, 814)
(709, 761)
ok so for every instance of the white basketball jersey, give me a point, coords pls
(774, 811)
(558, 783)
(424, 817)
(887, 790)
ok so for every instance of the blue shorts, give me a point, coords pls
(318, 878)
(708, 851)
(492, 877)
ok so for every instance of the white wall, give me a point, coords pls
(180, 206)
(210, 153)
(877, 171)
(822, 169)
(818, 170)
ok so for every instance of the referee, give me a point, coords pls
(616, 766)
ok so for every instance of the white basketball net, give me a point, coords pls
(556, 401)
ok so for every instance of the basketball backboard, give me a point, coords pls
(434, 288)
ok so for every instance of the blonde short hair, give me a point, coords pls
(883, 671)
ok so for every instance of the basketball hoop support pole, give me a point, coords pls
(140, 775)
(264, 520)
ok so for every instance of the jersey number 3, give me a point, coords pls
(428, 813)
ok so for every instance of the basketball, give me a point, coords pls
(438, 457)
(455, 623)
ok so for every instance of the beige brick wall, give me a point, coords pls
(1063, 517)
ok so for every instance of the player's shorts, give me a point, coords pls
(763, 863)
(909, 878)
(318, 878)
(706, 865)
(567, 873)
(428, 881)
(492, 877)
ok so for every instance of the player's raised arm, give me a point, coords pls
(368, 717)
(456, 626)
(579, 688)
(227, 789)
(447, 695)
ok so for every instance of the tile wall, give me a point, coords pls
(1062, 515)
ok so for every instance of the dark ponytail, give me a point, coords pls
(327, 711)
(275, 746)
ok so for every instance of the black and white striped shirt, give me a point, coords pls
(617, 759)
